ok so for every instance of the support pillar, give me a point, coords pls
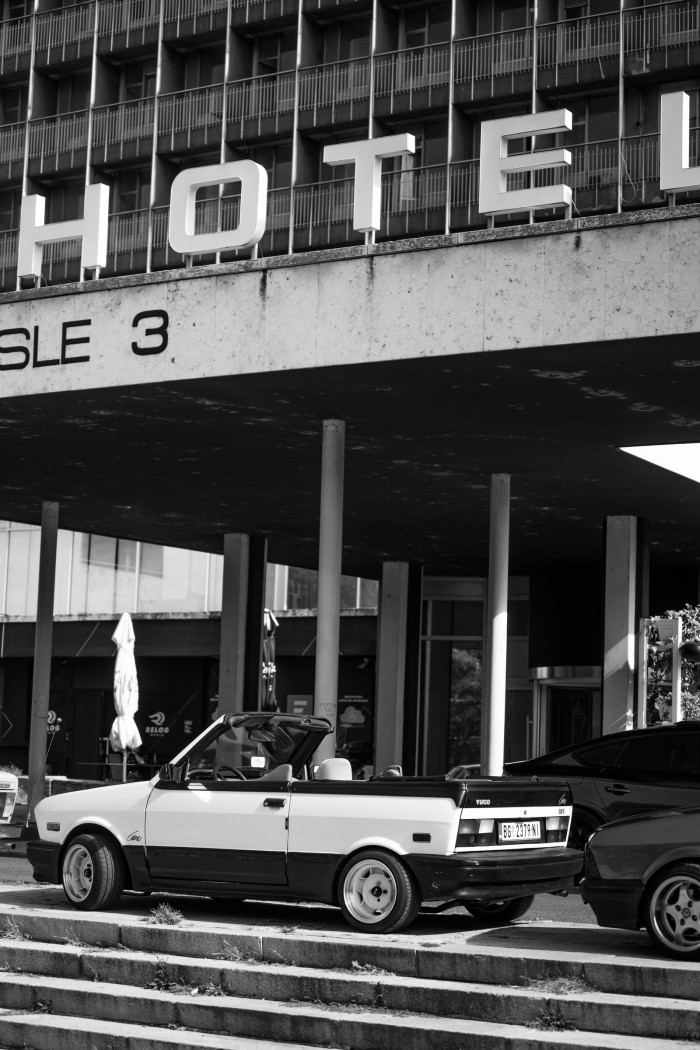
(391, 664)
(493, 708)
(624, 573)
(329, 570)
(234, 608)
(253, 641)
(43, 642)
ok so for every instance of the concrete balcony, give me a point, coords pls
(582, 51)
(128, 25)
(189, 121)
(189, 19)
(123, 133)
(494, 66)
(662, 38)
(264, 14)
(412, 81)
(260, 107)
(334, 95)
(319, 9)
(58, 145)
(65, 38)
(12, 143)
(15, 46)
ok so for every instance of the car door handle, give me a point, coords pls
(275, 803)
(617, 789)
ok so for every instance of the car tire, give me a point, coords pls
(583, 824)
(376, 892)
(671, 911)
(93, 872)
(500, 911)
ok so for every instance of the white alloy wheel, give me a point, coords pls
(78, 873)
(672, 911)
(377, 892)
(369, 891)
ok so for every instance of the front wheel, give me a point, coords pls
(376, 892)
(93, 872)
(499, 911)
(671, 911)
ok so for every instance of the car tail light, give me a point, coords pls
(476, 833)
(590, 868)
(556, 829)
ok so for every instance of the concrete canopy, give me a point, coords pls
(570, 351)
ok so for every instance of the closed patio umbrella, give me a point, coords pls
(124, 733)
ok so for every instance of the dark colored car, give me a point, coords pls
(644, 873)
(624, 773)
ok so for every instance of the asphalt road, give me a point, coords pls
(17, 871)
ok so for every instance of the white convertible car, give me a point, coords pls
(241, 813)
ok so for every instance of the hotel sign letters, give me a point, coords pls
(366, 157)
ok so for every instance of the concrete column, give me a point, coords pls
(253, 641)
(234, 603)
(329, 569)
(493, 708)
(391, 664)
(43, 641)
(623, 564)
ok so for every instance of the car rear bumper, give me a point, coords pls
(615, 902)
(493, 875)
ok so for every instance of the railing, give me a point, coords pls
(177, 10)
(8, 250)
(187, 110)
(498, 55)
(402, 72)
(333, 84)
(121, 16)
(53, 135)
(61, 28)
(15, 37)
(257, 10)
(664, 26)
(578, 40)
(260, 97)
(12, 140)
(124, 122)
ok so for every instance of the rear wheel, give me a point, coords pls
(671, 911)
(376, 892)
(583, 824)
(93, 872)
(499, 911)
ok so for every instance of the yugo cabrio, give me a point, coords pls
(242, 812)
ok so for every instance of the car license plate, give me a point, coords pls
(519, 831)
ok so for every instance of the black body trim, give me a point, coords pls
(495, 874)
(615, 902)
(397, 787)
(43, 857)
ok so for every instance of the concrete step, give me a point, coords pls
(118, 982)
(63, 975)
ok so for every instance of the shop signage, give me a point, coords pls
(366, 157)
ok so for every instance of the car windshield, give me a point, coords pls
(252, 749)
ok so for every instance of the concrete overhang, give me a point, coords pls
(535, 351)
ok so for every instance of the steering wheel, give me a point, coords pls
(228, 769)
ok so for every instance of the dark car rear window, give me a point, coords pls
(600, 755)
(663, 752)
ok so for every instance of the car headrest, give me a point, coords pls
(281, 773)
(334, 769)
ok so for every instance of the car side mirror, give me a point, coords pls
(173, 774)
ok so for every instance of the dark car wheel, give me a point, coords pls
(93, 872)
(376, 892)
(500, 911)
(583, 824)
(671, 911)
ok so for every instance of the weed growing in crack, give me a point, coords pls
(551, 1020)
(233, 954)
(165, 915)
(357, 967)
(559, 985)
(13, 931)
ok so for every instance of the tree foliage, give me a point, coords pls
(659, 665)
